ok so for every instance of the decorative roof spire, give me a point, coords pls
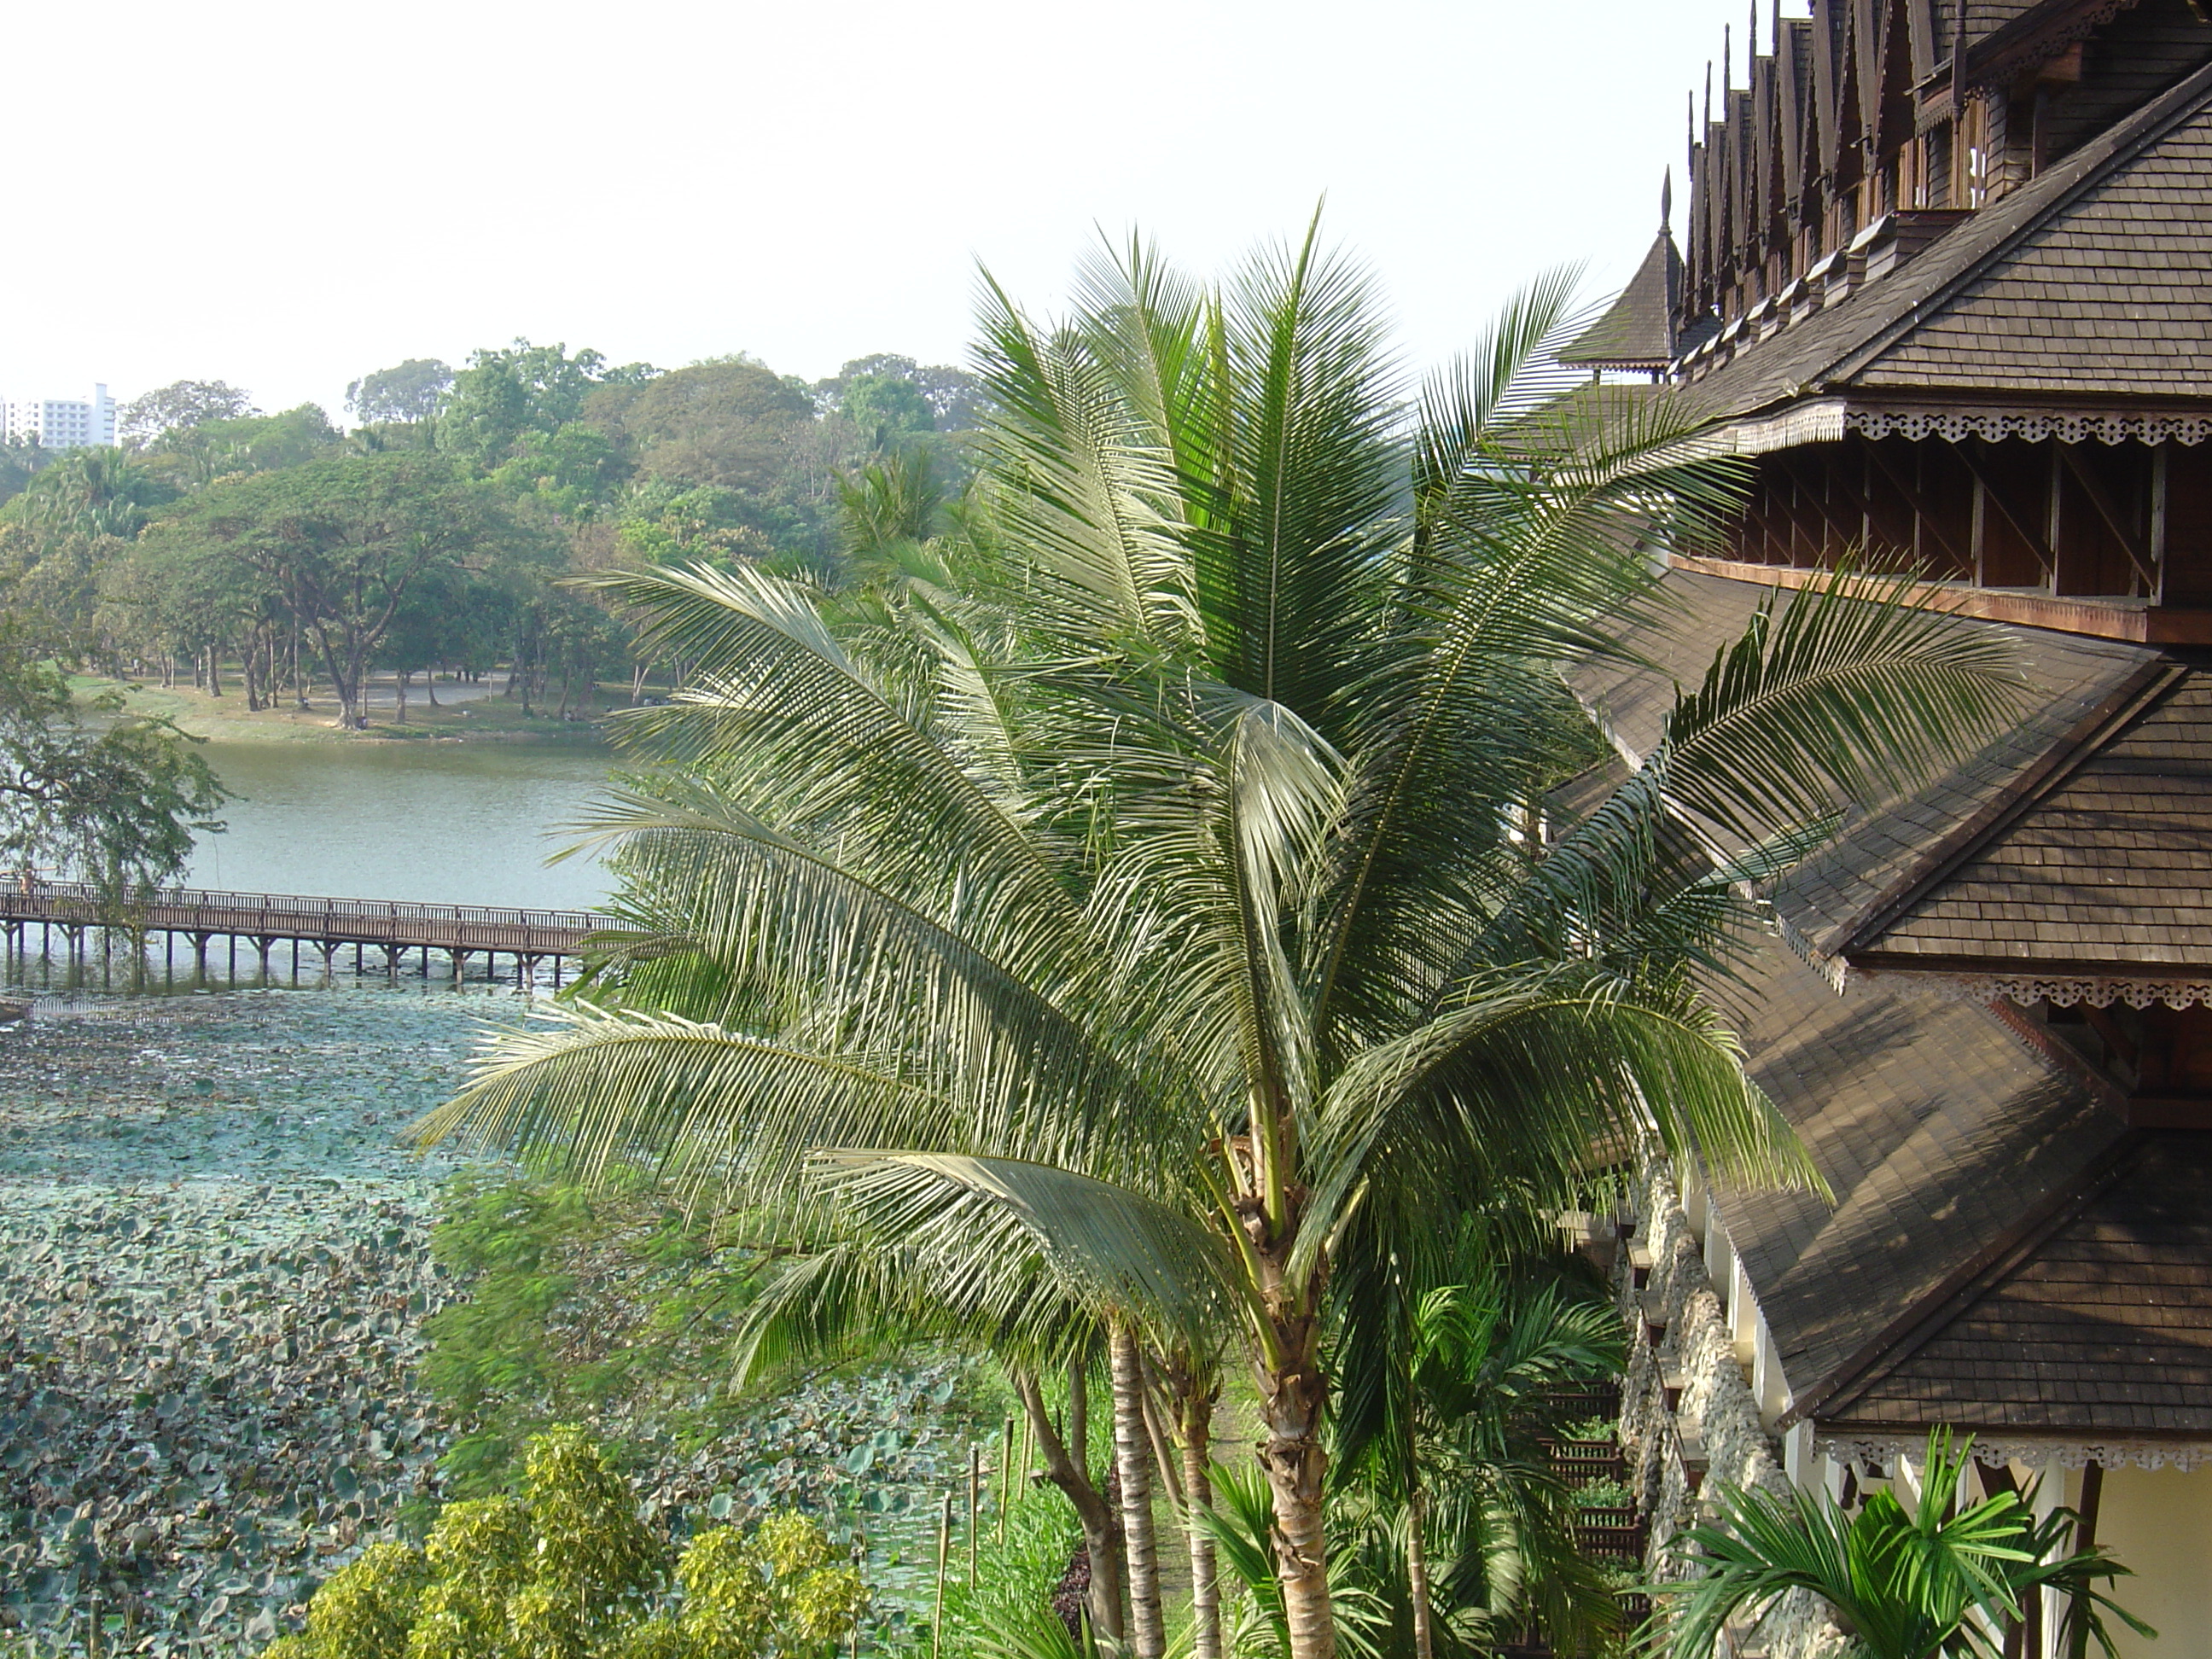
(1666, 201)
(1728, 65)
(1751, 52)
(1709, 94)
(1959, 62)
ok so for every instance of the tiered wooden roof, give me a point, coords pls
(2021, 1243)
(1909, 194)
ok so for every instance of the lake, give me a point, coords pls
(438, 822)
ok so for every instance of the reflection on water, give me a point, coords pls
(439, 823)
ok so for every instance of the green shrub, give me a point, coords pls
(567, 1571)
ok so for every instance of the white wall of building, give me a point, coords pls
(2159, 1521)
(61, 422)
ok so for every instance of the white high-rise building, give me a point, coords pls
(61, 422)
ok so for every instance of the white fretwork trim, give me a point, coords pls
(2060, 990)
(2183, 1454)
(2033, 425)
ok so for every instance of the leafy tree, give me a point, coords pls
(955, 397)
(891, 411)
(567, 1571)
(194, 456)
(504, 394)
(87, 790)
(1173, 900)
(573, 471)
(21, 458)
(336, 547)
(407, 394)
(1943, 1580)
(721, 423)
(95, 491)
(181, 405)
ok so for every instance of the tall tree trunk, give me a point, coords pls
(1194, 1415)
(1133, 1455)
(430, 686)
(1292, 1395)
(1417, 1572)
(1101, 1533)
(214, 673)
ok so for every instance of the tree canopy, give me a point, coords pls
(1156, 916)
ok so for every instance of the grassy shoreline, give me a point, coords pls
(485, 717)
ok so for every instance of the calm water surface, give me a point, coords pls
(440, 822)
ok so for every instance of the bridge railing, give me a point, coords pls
(296, 914)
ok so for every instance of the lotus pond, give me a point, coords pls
(215, 1267)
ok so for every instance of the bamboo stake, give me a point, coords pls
(974, 1494)
(944, 1548)
(1006, 1477)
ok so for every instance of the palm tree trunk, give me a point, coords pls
(1101, 1540)
(1417, 1572)
(1133, 1457)
(1291, 1396)
(1196, 1409)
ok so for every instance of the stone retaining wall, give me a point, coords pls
(1715, 1406)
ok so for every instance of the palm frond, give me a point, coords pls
(1843, 695)
(986, 1220)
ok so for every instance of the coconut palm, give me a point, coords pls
(1944, 1578)
(1178, 906)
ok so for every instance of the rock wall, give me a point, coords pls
(1716, 1407)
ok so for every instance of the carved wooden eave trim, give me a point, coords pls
(2060, 988)
(1826, 419)
(1993, 1448)
(2030, 424)
(1996, 61)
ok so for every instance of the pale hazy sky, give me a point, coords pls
(288, 196)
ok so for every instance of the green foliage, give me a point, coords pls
(89, 492)
(614, 1304)
(407, 394)
(1009, 1613)
(86, 791)
(567, 1571)
(179, 406)
(193, 457)
(504, 392)
(1940, 1581)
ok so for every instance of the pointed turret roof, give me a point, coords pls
(1637, 330)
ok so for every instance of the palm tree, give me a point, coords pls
(1179, 906)
(1943, 1579)
(1451, 1455)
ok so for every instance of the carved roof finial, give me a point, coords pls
(1727, 64)
(1666, 201)
(1751, 52)
(1709, 94)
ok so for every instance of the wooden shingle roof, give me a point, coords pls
(1888, 850)
(1936, 1125)
(2098, 1324)
(2110, 866)
(1636, 332)
(2082, 282)
(2003, 1253)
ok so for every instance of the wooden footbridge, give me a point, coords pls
(263, 921)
